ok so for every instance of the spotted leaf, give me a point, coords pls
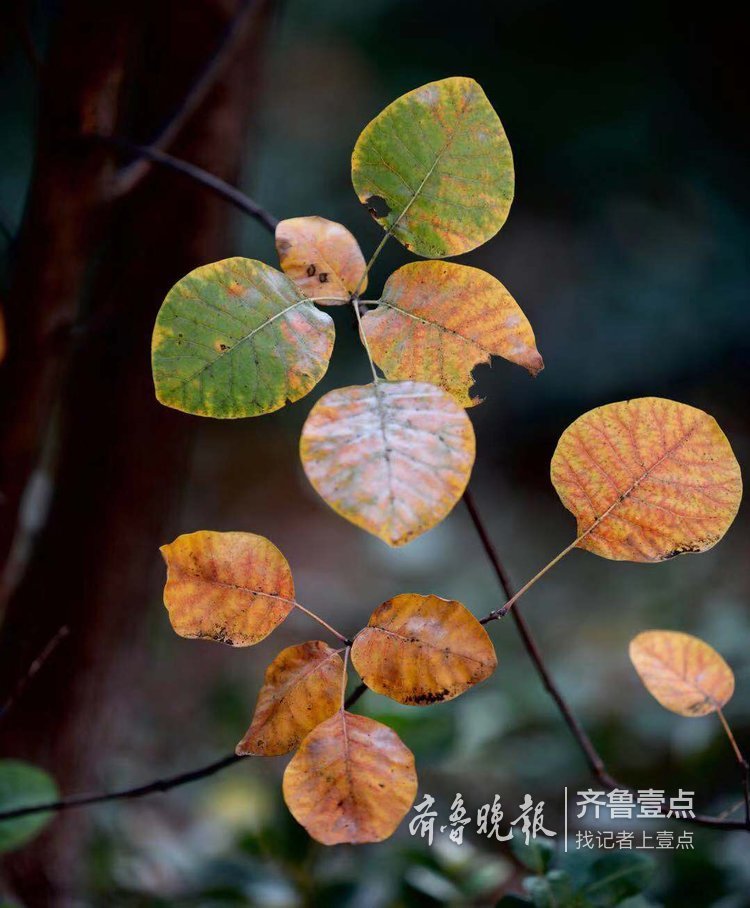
(435, 168)
(422, 649)
(322, 258)
(436, 321)
(238, 338)
(351, 781)
(234, 588)
(647, 479)
(391, 457)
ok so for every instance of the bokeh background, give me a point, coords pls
(627, 248)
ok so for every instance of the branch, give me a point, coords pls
(596, 763)
(20, 687)
(198, 175)
(130, 176)
(125, 794)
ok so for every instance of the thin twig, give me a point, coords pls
(325, 624)
(159, 785)
(596, 763)
(744, 765)
(213, 183)
(20, 687)
(133, 173)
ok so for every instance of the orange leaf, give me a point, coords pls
(234, 588)
(436, 321)
(392, 457)
(322, 258)
(351, 781)
(302, 688)
(422, 649)
(682, 672)
(647, 479)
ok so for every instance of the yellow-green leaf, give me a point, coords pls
(302, 688)
(238, 338)
(422, 649)
(436, 321)
(647, 479)
(352, 781)
(391, 457)
(435, 168)
(234, 588)
(322, 258)
(686, 675)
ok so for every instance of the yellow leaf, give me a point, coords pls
(647, 479)
(322, 258)
(391, 457)
(302, 688)
(686, 675)
(234, 588)
(435, 168)
(436, 321)
(351, 781)
(422, 649)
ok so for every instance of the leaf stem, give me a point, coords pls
(744, 765)
(504, 609)
(325, 624)
(363, 340)
(343, 685)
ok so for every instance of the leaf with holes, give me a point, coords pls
(352, 781)
(391, 457)
(302, 688)
(686, 675)
(647, 479)
(238, 338)
(435, 168)
(422, 650)
(322, 258)
(23, 785)
(436, 321)
(234, 588)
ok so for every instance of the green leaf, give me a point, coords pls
(617, 876)
(537, 855)
(238, 338)
(23, 785)
(435, 168)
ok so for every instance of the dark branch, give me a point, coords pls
(134, 172)
(198, 175)
(355, 695)
(593, 758)
(125, 794)
(18, 690)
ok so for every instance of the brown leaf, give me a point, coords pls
(392, 457)
(647, 479)
(422, 649)
(351, 781)
(234, 588)
(686, 675)
(322, 258)
(302, 688)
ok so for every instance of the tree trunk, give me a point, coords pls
(122, 457)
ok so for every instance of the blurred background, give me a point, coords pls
(626, 247)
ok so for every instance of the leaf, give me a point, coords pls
(422, 650)
(436, 321)
(23, 785)
(238, 338)
(686, 675)
(391, 457)
(617, 876)
(234, 588)
(322, 258)
(647, 479)
(537, 856)
(352, 780)
(435, 168)
(302, 688)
